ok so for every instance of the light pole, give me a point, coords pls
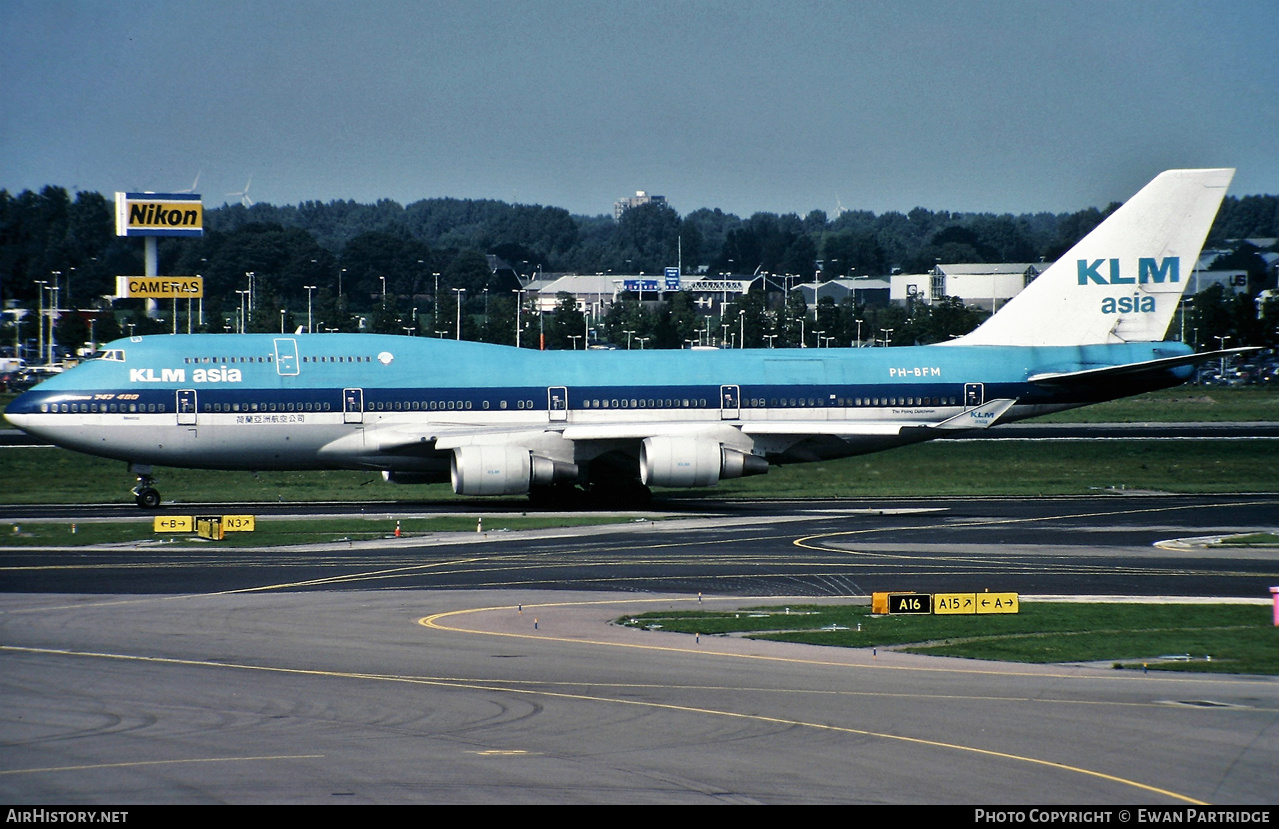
(40, 283)
(309, 289)
(435, 300)
(282, 313)
(53, 319)
(53, 314)
(243, 320)
(741, 326)
(628, 332)
(383, 278)
(1221, 346)
(459, 292)
(859, 333)
(575, 338)
(519, 301)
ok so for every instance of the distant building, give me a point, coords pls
(593, 293)
(711, 293)
(864, 290)
(986, 285)
(1234, 282)
(640, 197)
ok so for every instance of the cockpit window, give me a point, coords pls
(115, 355)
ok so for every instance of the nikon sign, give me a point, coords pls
(159, 287)
(158, 214)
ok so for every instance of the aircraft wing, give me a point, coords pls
(977, 418)
(443, 437)
(450, 436)
(1068, 378)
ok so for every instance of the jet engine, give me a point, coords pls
(503, 470)
(686, 462)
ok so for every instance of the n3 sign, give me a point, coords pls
(238, 523)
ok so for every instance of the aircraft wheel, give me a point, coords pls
(629, 495)
(148, 498)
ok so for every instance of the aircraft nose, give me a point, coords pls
(22, 411)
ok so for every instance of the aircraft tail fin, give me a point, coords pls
(1121, 282)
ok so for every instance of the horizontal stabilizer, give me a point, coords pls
(1068, 378)
(979, 418)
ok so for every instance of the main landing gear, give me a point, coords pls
(145, 493)
(611, 495)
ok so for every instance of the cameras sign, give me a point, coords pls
(160, 287)
(158, 214)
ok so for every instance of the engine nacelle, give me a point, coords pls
(688, 462)
(503, 470)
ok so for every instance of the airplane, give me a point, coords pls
(497, 420)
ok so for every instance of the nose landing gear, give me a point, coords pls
(145, 493)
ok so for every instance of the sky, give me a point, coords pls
(1005, 106)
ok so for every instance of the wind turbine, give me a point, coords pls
(244, 194)
(194, 184)
(839, 207)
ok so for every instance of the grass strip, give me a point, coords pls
(1209, 638)
(274, 533)
(940, 468)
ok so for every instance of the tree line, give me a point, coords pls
(402, 269)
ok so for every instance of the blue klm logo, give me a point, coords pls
(1148, 270)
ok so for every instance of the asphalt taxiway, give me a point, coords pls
(486, 670)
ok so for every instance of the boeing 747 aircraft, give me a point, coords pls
(496, 420)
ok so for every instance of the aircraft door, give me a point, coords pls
(286, 357)
(352, 405)
(557, 402)
(974, 395)
(730, 402)
(186, 407)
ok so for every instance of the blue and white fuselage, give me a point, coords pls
(401, 404)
